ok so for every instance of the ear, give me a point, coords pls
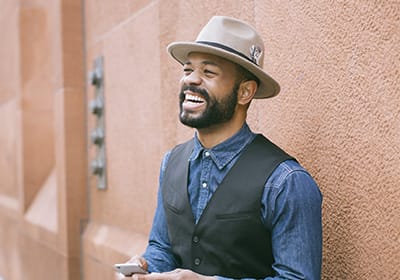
(247, 90)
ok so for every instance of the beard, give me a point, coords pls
(216, 111)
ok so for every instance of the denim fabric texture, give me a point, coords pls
(291, 209)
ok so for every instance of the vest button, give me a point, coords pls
(196, 239)
(197, 261)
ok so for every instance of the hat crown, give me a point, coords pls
(235, 35)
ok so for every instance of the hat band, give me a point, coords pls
(226, 48)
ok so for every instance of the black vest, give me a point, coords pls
(229, 239)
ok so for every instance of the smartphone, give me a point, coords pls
(127, 269)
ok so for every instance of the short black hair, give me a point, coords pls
(245, 75)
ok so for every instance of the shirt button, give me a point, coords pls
(204, 185)
(197, 261)
(196, 239)
(207, 153)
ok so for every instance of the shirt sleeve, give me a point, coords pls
(292, 212)
(158, 252)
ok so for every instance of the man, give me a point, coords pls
(231, 204)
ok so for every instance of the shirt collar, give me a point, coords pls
(224, 152)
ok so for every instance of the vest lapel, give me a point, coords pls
(177, 197)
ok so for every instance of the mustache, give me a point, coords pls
(194, 89)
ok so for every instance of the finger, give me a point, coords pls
(154, 276)
(134, 259)
(139, 260)
(143, 263)
(175, 271)
(140, 277)
(119, 276)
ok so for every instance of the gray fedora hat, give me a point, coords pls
(233, 40)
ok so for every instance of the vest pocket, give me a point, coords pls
(235, 216)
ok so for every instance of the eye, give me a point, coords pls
(187, 71)
(209, 72)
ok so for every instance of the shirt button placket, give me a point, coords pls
(196, 240)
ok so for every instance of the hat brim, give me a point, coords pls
(267, 87)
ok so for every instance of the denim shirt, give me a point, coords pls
(291, 209)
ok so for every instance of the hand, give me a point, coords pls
(136, 260)
(140, 261)
(177, 274)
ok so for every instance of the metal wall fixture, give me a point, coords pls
(97, 135)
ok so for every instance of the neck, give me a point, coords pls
(218, 133)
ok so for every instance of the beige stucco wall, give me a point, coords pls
(42, 141)
(338, 113)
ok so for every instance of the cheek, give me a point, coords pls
(225, 83)
(213, 86)
(220, 91)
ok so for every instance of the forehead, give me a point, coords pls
(204, 58)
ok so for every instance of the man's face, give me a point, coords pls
(208, 91)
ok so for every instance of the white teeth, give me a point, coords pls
(194, 98)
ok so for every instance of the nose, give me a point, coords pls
(192, 78)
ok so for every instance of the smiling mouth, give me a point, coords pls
(194, 98)
(193, 103)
